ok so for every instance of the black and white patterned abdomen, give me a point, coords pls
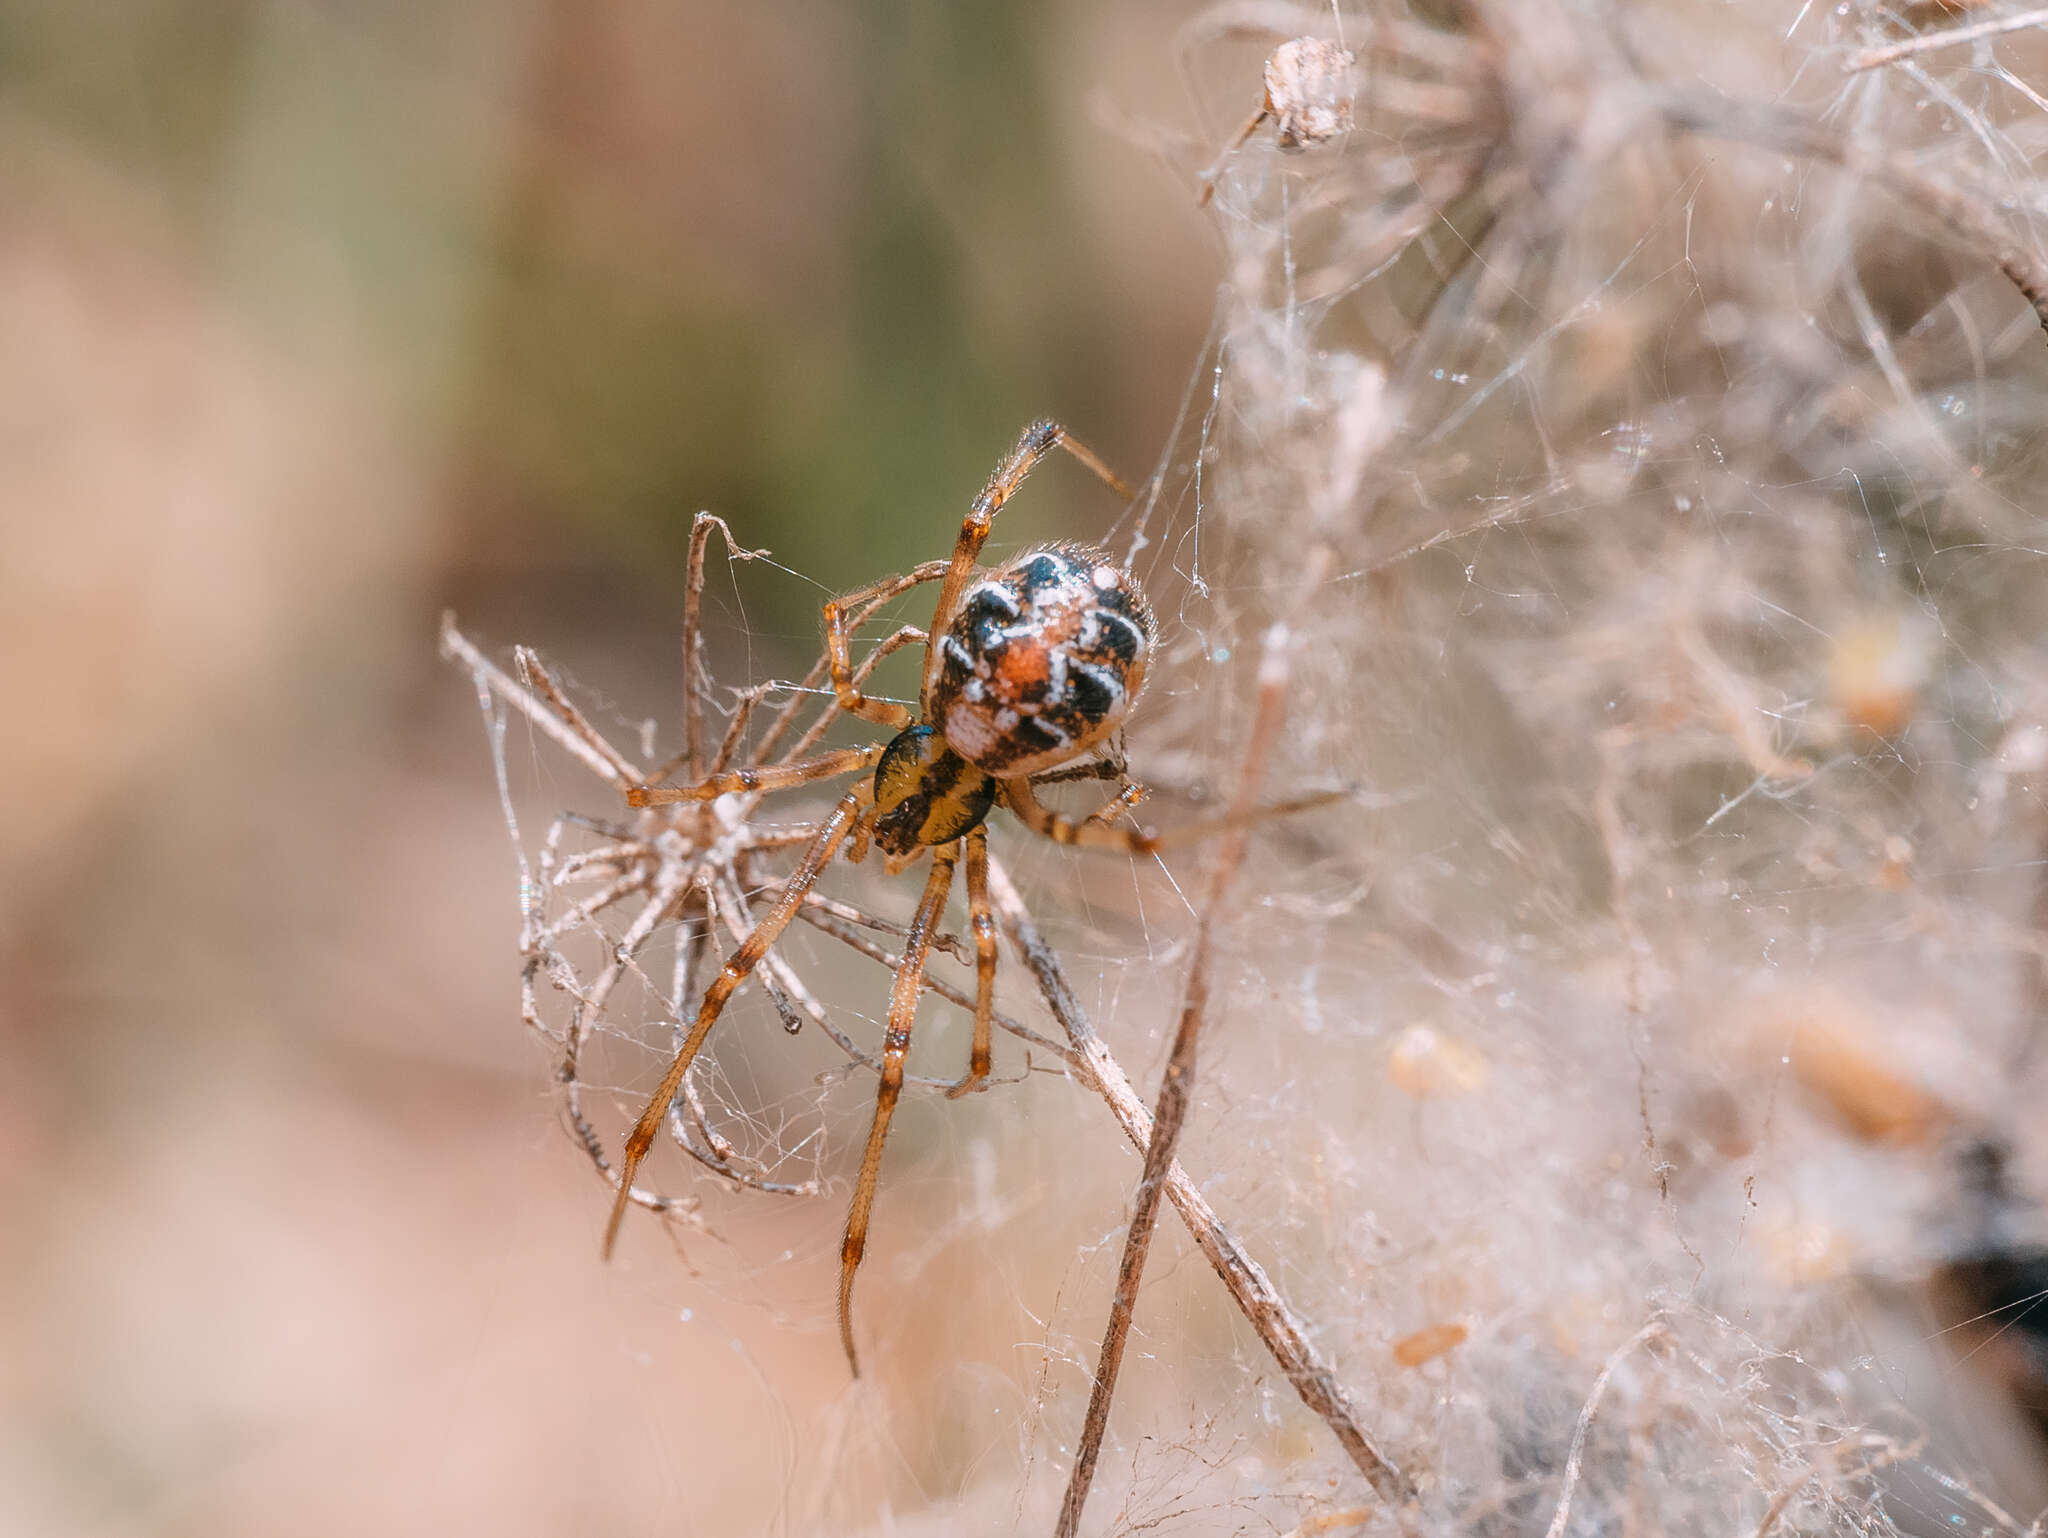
(1042, 660)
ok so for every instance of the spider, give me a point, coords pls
(1027, 668)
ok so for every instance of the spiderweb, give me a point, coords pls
(1636, 1081)
(1679, 451)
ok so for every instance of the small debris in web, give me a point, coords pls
(1308, 95)
(1308, 91)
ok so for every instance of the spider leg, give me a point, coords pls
(736, 969)
(750, 699)
(856, 616)
(1091, 834)
(981, 919)
(745, 703)
(802, 772)
(1111, 767)
(838, 632)
(1118, 804)
(863, 835)
(903, 996)
(1036, 441)
(1062, 829)
(850, 692)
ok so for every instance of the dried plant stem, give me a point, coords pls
(630, 864)
(694, 683)
(456, 646)
(849, 936)
(542, 682)
(1314, 1379)
(1785, 1498)
(1891, 53)
(1177, 1086)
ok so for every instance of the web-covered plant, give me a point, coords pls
(1635, 416)
(1668, 383)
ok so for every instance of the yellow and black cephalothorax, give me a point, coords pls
(926, 794)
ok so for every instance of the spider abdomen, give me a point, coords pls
(1042, 660)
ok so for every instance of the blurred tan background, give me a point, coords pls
(321, 318)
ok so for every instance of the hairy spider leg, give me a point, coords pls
(735, 971)
(1089, 833)
(1118, 804)
(821, 670)
(749, 699)
(838, 633)
(903, 997)
(1036, 441)
(981, 919)
(1111, 768)
(746, 781)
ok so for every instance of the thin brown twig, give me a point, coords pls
(1177, 1086)
(1283, 1333)
(1277, 1325)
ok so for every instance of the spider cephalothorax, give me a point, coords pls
(926, 794)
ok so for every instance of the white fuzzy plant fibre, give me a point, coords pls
(1682, 458)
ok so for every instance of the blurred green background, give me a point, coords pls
(321, 318)
(807, 265)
